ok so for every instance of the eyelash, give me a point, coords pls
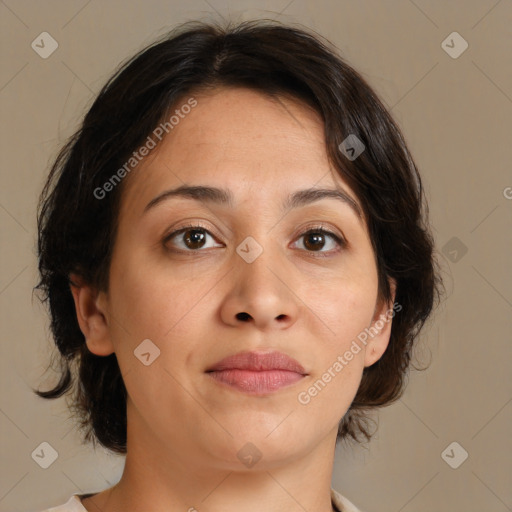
(313, 229)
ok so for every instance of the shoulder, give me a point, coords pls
(343, 504)
(72, 505)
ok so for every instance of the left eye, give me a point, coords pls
(314, 239)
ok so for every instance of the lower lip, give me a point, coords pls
(256, 382)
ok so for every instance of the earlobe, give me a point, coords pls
(92, 316)
(380, 330)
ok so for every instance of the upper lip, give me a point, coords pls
(258, 361)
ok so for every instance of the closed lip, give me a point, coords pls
(258, 361)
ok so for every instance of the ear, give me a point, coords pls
(379, 331)
(91, 312)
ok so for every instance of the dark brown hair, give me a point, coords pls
(77, 230)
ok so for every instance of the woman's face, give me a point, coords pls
(248, 280)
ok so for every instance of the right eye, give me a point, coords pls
(189, 238)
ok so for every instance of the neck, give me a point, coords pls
(172, 477)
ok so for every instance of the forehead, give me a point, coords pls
(238, 139)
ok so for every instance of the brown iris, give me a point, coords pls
(314, 241)
(194, 238)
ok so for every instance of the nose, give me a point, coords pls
(261, 295)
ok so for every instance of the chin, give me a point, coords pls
(259, 448)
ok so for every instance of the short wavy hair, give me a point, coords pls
(76, 230)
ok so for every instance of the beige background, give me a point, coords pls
(457, 118)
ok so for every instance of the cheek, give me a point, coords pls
(346, 314)
(339, 355)
(344, 304)
(149, 303)
(150, 300)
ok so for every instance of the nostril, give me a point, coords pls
(242, 316)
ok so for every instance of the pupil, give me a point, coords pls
(196, 236)
(316, 237)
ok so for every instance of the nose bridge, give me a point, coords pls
(255, 263)
(259, 293)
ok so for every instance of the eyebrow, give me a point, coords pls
(224, 196)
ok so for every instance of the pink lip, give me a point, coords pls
(257, 373)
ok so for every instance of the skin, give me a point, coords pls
(184, 428)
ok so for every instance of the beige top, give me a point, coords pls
(75, 505)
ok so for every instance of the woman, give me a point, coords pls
(236, 254)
